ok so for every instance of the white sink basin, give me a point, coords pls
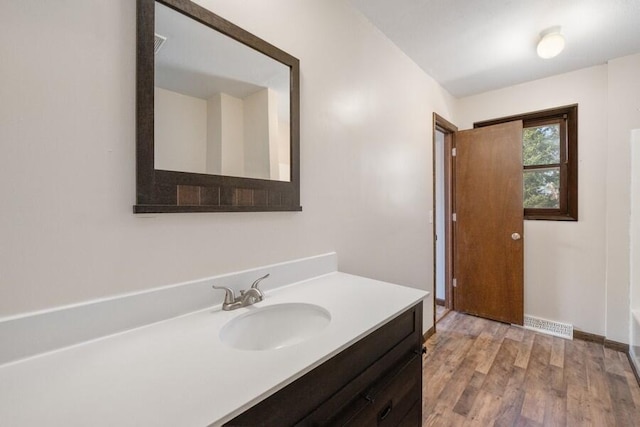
(275, 326)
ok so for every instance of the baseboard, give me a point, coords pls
(615, 345)
(599, 339)
(440, 301)
(633, 367)
(586, 336)
(429, 333)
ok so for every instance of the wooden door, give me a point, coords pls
(488, 242)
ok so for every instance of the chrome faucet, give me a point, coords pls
(248, 297)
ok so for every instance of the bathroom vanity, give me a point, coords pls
(376, 381)
(361, 364)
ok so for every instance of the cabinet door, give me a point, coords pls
(391, 399)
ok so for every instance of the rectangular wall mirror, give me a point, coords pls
(217, 115)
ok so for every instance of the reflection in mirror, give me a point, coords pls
(217, 115)
(219, 107)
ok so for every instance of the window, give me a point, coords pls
(550, 162)
(542, 143)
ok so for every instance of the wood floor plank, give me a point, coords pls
(478, 352)
(483, 373)
(512, 399)
(537, 379)
(557, 353)
(597, 382)
(491, 350)
(523, 421)
(485, 409)
(534, 404)
(557, 381)
(632, 382)
(442, 415)
(623, 406)
(465, 401)
(515, 334)
(575, 369)
(500, 372)
(437, 383)
(441, 371)
(577, 405)
(457, 384)
(613, 363)
(601, 416)
(525, 349)
(555, 408)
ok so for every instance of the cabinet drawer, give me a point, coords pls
(414, 417)
(391, 399)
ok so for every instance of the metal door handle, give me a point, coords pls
(516, 236)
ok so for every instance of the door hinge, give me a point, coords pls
(454, 217)
(453, 152)
(455, 282)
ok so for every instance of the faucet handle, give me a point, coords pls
(257, 282)
(229, 297)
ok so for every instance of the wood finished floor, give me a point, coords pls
(441, 311)
(483, 373)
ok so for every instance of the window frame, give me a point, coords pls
(568, 117)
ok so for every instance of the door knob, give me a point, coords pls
(516, 236)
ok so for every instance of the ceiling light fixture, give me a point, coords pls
(551, 43)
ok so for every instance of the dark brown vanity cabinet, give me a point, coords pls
(375, 382)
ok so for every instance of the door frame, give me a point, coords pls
(449, 130)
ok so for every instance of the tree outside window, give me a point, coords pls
(541, 159)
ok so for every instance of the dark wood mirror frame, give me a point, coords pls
(169, 191)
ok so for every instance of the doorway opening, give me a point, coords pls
(443, 173)
(478, 221)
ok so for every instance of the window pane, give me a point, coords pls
(541, 145)
(542, 188)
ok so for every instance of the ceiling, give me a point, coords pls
(198, 61)
(472, 46)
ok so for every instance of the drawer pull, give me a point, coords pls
(423, 351)
(386, 411)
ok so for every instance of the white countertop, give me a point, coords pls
(178, 373)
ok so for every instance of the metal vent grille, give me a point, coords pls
(557, 329)
(158, 42)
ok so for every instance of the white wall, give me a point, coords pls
(579, 272)
(257, 135)
(284, 150)
(214, 134)
(565, 268)
(67, 163)
(634, 336)
(623, 116)
(274, 134)
(227, 130)
(181, 128)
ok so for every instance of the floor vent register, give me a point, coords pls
(550, 327)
